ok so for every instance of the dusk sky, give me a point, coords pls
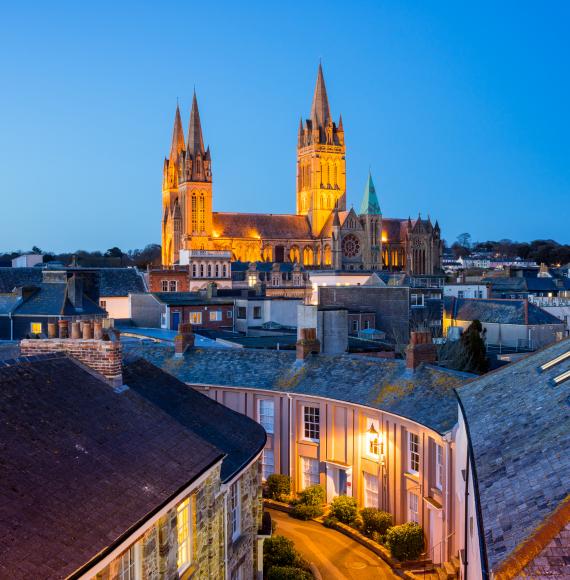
(461, 112)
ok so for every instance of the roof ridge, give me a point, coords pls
(10, 362)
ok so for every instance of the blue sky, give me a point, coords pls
(461, 111)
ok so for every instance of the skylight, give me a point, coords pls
(561, 378)
(555, 361)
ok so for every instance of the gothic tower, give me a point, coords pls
(321, 166)
(371, 219)
(195, 184)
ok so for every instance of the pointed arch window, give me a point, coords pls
(194, 213)
(202, 213)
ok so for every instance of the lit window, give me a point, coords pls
(235, 509)
(165, 285)
(266, 414)
(36, 328)
(370, 490)
(215, 315)
(127, 566)
(373, 442)
(267, 463)
(183, 529)
(309, 471)
(172, 285)
(311, 420)
(413, 453)
(413, 505)
(439, 466)
(195, 318)
(251, 280)
(103, 304)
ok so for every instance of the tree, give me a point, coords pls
(114, 252)
(475, 350)
(36, 250)
(464, 240)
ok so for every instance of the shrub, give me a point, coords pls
(306, 512)
(406, 541)
(375, 521)
(288, 573)
(313, 495)
(330, 522)
(279, 551)
(344, 509)
(278, 486)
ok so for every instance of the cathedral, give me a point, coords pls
(321, 234)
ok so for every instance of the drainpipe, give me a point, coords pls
(11, 326)
(466, 530)
(226, 547)
(290, 438)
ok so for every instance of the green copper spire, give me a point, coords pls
(370, 203)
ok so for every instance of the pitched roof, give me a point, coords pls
(83, 462)
(497, 311)
(425, 396)
(264, 226)
(11, 278)
(190, 298)
(120, 281)
(370, 203)
(519, 428)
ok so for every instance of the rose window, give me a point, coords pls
(350, 246)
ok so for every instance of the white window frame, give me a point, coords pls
(197, 314)
(164, 285)
(267, 463)
(439, 469)
(310, 426)
(235, 509)
(417, 300)
(413, 453)
(413, 507)
(266, 419)
(184, 534)
(133, 570)
(371, 489)
(215, 315)
(173, 285)
(310, 473)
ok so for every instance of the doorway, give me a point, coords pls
(337, 482)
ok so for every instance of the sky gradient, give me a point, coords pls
(460, 111)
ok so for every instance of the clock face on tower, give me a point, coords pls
(350, 246)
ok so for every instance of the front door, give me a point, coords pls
(175, 321)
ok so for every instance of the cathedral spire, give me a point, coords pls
(320, 111)
(177, 137)
(370, 205)
(195, 140)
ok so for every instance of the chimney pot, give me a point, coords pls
(75, 330)
(308, 343)
(87, 330)
(97, 330)
(184, 339)
(52, 329)
(63, 328)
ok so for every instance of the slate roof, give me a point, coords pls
(497, 311)
(119, 282)
(190, 298)
(81, 465)
(425, 396)
(519, 428)
(8, 302)
(266, 226)
(11, 278)
(262, 266)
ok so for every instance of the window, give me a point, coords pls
(103, 304)
(266, 410)
(173, 285)
(36, 328)
(235, 509)
(370, 490)
(417, 300)
(366, 324)
(217, 270)
(311, 423)
(224, 271)
(229, 314)
(413, 453)
(127, 565)
(413, 505)
(193, 270)
(165, 285)
(460, 294)
(215, 315)
(195, 318)
(238, 573)
(309, 471)
(183, 529)
(267, 463)
(439, 466)
(201, 270)
(242, 312)
(257, 312)
(251, 280)
(209, 270)
(355, 326)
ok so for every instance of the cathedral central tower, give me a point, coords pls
(321, 163)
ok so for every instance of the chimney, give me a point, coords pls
(75, 291)
(308, 343)
(420, 350)
(184, 339)
(102, 356)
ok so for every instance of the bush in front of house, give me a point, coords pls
(406, 541)
(288, 573)
(344, 508)
(313, 495)
(303, 511)
(279, 551)
(278, 486)
(375, 522)
(330, 522)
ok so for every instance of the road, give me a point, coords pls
(335, 555)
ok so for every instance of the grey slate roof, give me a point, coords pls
(120, 282)
(425, 396)
(190, 298)
(519, 426)
(8, 302)
(11, 278)
(497, 311)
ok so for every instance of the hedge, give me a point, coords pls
(288, 573)
(344, 509)
(375, 521)
(278, 486)
(303, 511)
(313, 495)
(279, 551)
(406, 541)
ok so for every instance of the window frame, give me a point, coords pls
(164, 285)
(235, 509)
(195, 314)
(269, 429)
(257, 314)
(173, 285)
(439, 466)
(216, 315)
(310, 425)
(309, 477)
(34, 327)
(413, 462)
(184, 510)
(413, 502)
(267, 453)
(368, 491)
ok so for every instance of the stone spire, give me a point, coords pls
(370, 205)
(195, 140)
(177, 137)
(320, 111)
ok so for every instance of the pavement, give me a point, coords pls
(335, 555)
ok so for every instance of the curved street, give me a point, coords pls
(336, 556)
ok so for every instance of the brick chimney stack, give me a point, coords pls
(184, 339)
(420, 350)
(308, 343)
(104, 355)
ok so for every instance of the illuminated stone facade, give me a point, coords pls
(321, 234)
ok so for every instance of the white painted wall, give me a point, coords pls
(467, 290)
(27, 260)
(116, 306)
